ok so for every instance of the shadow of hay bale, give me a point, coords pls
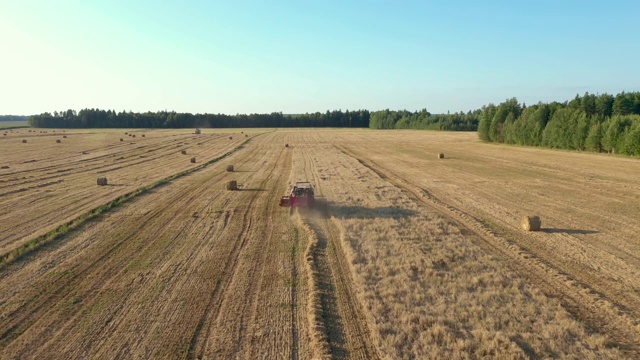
(568, 231)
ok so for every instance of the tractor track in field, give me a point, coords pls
(294, 303)
(223, 326)
(34, 188)
(598, 311)
(347, 331)
(202, 344)
(24, 315)
(88, 163)
(94, 164)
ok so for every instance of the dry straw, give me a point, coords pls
(317, 327)
(531, 223)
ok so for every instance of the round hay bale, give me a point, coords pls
(4, 167)
(121, 139)
(102, 181)
(531, 223)
(440, 156)
(232, 185)
(5, 134)
(64, 136)
(241, 132)
(230, 137)
(193, 160)
(58, 141)
(245, 135)
(230, 168)
(286, 145)
(183, 152)
(24, 141)
(143, 135)
(126, 133)
(133, 136)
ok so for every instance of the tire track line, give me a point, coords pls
(212, 314)
(24, 316)
(346, 325)
(213, 306)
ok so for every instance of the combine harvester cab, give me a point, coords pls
(301, 195)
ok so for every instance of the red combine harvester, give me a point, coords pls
(301, 195)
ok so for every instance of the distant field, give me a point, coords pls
(13, 124)
(406, 256)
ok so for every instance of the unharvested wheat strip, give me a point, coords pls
(619, 327)
(595, 245)
(354, 192)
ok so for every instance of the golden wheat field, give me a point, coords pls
(406, 256)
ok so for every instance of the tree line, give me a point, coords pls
(385, 119)
(97, 118)
(423, 119)
(600, 123)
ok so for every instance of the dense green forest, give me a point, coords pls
(601, 123)
(96, 118)
(424, 120)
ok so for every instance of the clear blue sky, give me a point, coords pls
(305, 56)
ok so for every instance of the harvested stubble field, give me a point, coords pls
(406, 255)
